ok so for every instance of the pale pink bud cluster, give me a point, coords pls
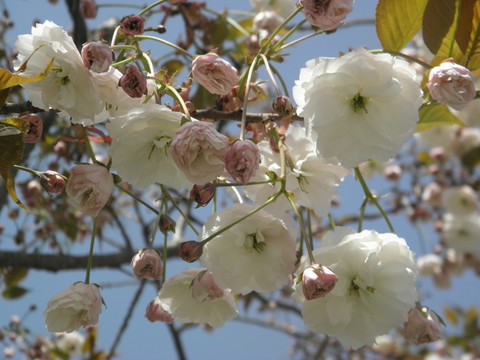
(156, 312)
(198, 150)
(147, 264)
(88, 9)
(133, 82)
(35, 128)
(326, 14)
(422, 326)
(317, 281)
(89, 187)
(132, 24)
(204, 287)
(451, 84)
(267, 20)
(78, 305)
(214, 74)
(52, 181)
(97, 56)
(242, 160)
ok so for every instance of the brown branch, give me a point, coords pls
(26, 107)
(215, 114)
(57, 262)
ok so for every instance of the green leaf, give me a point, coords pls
(468, 32)
(13, 292)
(434, 115)
(437, 22)
(15, 276)
(397, 22)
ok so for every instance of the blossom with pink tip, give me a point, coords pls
(89, 187)
(133, 82)
(88, 9)
(423, 326)
(156, 312)
(317, 281)
(242, 160)
(78, 305)
(205, 288)
(52, 181)
(451, 84)
(97, 56)
(214, 74)
(199, 151)
(326, 14)
(132, 24)
(147, 264)
(35, 128)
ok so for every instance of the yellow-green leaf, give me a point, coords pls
(451, 315)
(438, 19)
(468, 33)
(397, 22)
(173, 67)
(8, 80)
(7, 176)
(435, 114)
(13, 292)
(15, 276)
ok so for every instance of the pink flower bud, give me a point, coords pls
(97, 56)
(88, 9)
(422, 326)
(52, 181)
(393, 172)
(190, 251)
(451, 84)
(155, 312)
(317, 281)
(198, 150)
(202, 194)
(132, 24)
(242, 160)
(326, 14)
(147, 264)
(35, 128)
(89, 187)
(133, 82)
(166, 224)
(282, 105)
(204, 287)
(214, 74)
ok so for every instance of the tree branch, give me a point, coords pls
(215, 114)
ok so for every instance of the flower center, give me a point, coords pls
(359, 103)
(256, 242)
(357, 284)
(161, 142)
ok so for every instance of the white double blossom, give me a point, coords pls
(375, 288)
(257, 254)
(460, 232)
(140, 146)
(360, 106)
(310, 178)
(69, 86)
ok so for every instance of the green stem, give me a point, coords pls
(31, 171)
(307, 242)
(279, 45)
(174, 203)
(405, 56)
(90, 152)
(245, 100)
(148, 8)
(154, 230)
(372, 198)
(135, 197)
(270, 73)
(179, 99)
(332, 221)
(90, 254)
(165, 42)
(232, 22)
(219, 184)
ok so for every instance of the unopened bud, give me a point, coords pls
(88, 9)
(423, 326)
(52, 181)
(97, 56)
(242, 160)
(147, 264)
(166, 224)
(35, 128)
(133, 82)
(202, 194)
(282, 105)
(317, 281)
(190, 251)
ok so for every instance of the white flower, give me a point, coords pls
(78, 305)
(69, 86)
(429, 264)
(360, 106)
(312, 180)
(461, 232)
(71, 343)
(139, 149)
(375, 288)
(257, 254)
(177, 298)
(460, 200)
(283, 7)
